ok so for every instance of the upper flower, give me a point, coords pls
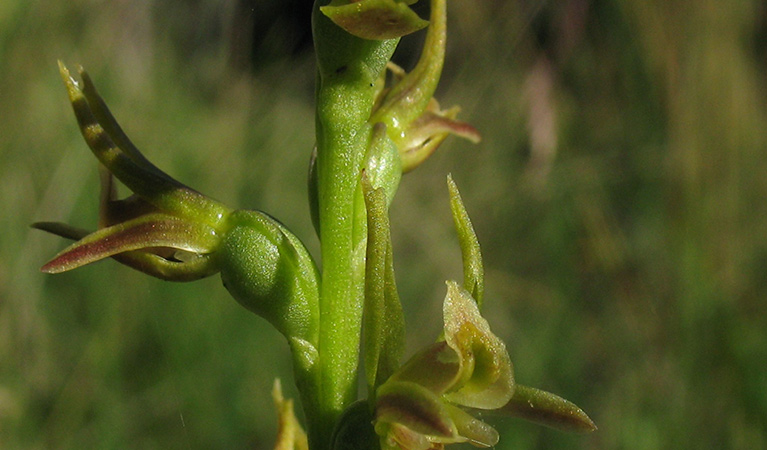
(413, 117)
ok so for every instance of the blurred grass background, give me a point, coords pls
(619, 195)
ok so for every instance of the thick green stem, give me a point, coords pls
(348, 69)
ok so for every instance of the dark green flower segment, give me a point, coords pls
(374, 122)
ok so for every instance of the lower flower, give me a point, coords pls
(419, 406)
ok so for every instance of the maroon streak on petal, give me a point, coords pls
(151, 231)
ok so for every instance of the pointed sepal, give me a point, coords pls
(414, 120)
(117, 153)
(163, 235)
(374, 19)
(547, 409)
(473, 270)
(383, 319)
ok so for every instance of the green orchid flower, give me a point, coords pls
(172, 232)
(414, 120)
(165, 229)
(419, 406)
(428, 402)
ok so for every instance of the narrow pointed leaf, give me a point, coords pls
(473, 270)
(547, 409)
(383, 320)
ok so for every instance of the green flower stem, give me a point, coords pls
(348, 68)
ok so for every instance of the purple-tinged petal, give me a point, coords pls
(427, 132)
(146, 232)
(417, 408)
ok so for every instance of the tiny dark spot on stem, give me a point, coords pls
(341, 69)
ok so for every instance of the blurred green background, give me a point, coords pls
(619, 195)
